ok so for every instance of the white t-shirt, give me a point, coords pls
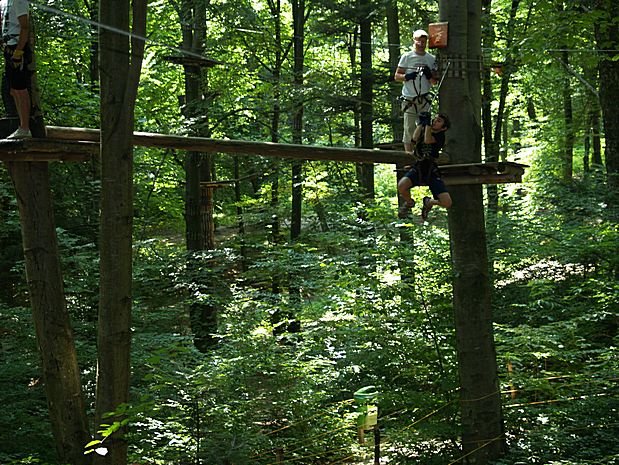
(411, 61)
(10, 11)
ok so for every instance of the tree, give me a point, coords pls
(298, 19)
(607, 37)
(61, 374)
(54, 334)
(199, 226)
(482, 422)
(120, 64)
(365, 172)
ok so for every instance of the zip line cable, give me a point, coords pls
(384, 45)
(116, 30)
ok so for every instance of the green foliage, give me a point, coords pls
(372, 295)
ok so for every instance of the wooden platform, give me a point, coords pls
(482, 173)
(46, 150)
(80, 144)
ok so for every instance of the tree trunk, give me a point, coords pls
(567, 167)
(596, 156)
(61, 374)
(192, 24)
(607, 37)
(120, 64)
(395, 88)
(239, 212)
(482, 422)
(298, 17)
(199, 221)
(366, 171)
(491, 146)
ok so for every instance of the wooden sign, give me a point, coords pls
(438, 35)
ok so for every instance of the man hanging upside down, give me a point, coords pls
(429, 138)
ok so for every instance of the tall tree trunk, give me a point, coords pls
(120, 64)
(596, 157)
(365, 171)
(61, 374)
(567, 165)
(492, 132)
(482, 422)
(607, 37)
(275, 7)
(93, 65)
(393, 37)
(298, 18)
(193, 31)
(239, 212)
(491, 146)
(199, 223)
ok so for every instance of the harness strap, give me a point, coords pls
(422, 99)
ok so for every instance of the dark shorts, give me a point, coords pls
(426, 173)
(18, 79)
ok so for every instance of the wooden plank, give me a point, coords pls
(268, 149)
(44, 145)
(42, 156)
(46, 150)
(78, 144)
(483, 179)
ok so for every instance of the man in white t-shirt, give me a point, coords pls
(15, 22)
(418, 71)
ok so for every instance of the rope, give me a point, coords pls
(479, 448)
(347, 401)
(429, 415)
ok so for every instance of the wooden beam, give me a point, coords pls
(78, 144)
(267, 149)
(46, 150)
(461, 180)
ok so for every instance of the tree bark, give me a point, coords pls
(393, 37)
(193, 30)
(482, 423)
(607, 38)
(60, 369)
(567, 165)
(298, 18)
(120, 63)
(61, 374)
(365, 172)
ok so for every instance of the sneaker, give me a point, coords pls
(21, 134)
(405, 209)
(425, 209)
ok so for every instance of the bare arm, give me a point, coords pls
(428, 137)
(417, 133)
(400, 74)
(24, 32)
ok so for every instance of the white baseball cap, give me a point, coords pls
(419, 33)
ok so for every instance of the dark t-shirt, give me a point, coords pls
(431, 150)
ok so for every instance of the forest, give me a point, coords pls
(162, 306)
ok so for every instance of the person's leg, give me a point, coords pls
(404, 188)
(444, 200)
(410, 123)
(19, 83)
(440, 195)
(22, 103)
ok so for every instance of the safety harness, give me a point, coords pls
(421, 100)
(6, 37)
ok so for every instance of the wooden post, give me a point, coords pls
(376, 445)
(207, 214)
